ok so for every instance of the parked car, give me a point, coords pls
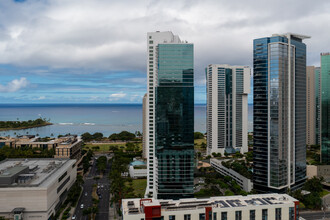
(82, 206)
(74, 217)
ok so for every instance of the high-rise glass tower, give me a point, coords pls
(318, 105)
(279, 112)
(325, 108)
(171, 117)
(310, 106)
(313, 111)
(227, 108)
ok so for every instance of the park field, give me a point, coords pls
(106, 146)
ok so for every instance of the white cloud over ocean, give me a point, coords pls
(60, 38)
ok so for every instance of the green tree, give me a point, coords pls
(314, 185)
(87, 137)
(97, 136)
(198, 135)
(312, 201)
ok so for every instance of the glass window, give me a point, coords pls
(202, 216)
(223, 215)
(278, 214)
(264, 214)
(214, 216)
(171, 217)
(151, 42)
(187, 217)
(238, 215)
(252, 214)
(291, 213)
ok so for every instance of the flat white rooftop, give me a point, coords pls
(42, 170)
(132, 206)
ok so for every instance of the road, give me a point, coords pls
(317, 215)
(105, 193)
(88, 187)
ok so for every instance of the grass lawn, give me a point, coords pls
(139, 186)
(324, 193)
(106, 147)
(198, 143)
(103, 147)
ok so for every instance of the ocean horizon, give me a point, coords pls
(78, 118)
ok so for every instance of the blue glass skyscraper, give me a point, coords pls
(279, 113)
(171, 117)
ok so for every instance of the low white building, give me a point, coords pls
(34, 188)
(245, 183)
(138, 169)
(262, 206)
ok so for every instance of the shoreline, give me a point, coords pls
(27, 127)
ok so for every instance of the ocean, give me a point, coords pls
(80, 118)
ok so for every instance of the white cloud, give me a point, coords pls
(97, 34)
(94, 98)
(41, 98)
(15, 85)
(117, 96)
(135, 98)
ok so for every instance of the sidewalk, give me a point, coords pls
(112, 211)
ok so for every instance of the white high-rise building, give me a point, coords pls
(144, 125)
(170, 116)
(227, 108)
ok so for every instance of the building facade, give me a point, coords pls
(313, 110)
(170, 126)
(244, 182)
(34, 188)
(262, 206)
(144, 125)
(318, 105)
(227, 108)
(319, 171)
(310, 106)
(70, 148)
(325, 105)
(279, 113)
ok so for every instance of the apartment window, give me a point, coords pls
(171, 217)
(62, 177)
(252, 214)
(202, 216)
(214, 216)
(264, 214)
(187, 217)
(223, 215)
(238, 215)
(150, 38)
(291, 213)
(151, 47)
(278, 214)
(151, 41)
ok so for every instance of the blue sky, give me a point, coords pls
(94, 51)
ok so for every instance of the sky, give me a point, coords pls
(94, 51)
